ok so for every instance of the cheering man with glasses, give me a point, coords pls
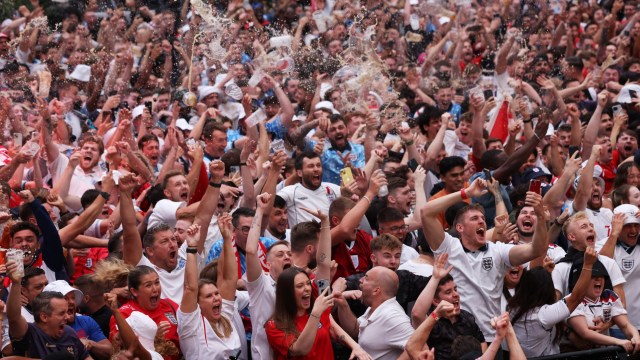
(391, 221)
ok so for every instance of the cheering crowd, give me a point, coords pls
(323, 179)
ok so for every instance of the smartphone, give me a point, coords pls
(277, 145)
(474, 28)
(17, 139)
(460, 91)
(488, 94)
(487, 175)
(346, 175)
(616, 109)
(633, 93)
(149, 105)
(573, 150)
(534, 186)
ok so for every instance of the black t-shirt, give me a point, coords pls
(445, 332)
(37, 344)
(102, 317)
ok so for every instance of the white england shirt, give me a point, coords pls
(560, 274)
(479, 275)
(262, 303)
(629, 263)
(298, 196)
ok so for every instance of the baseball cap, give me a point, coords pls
(630, 211)
(534, 173)
(63, 287)
(3, 35)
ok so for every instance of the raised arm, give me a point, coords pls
(209, 202)
(18, 326)
(303, 344)
(189, 301)
(581, 287)
(583, 192)
(503, 52)
(422, 305)
(323, 253)
(432, 226)
(132, 242)
(417, 341)
(480, 110)
(254, 269)
(228, 277)
(249, 197)
(127, 335)
(594, 125)
(352, 218)
(522, 253)
(63, 182)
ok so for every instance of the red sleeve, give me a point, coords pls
(476, 162)
(278, 341)
(201, 187)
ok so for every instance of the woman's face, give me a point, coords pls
(633, 176)
(634, 196)
(148, 292)
(513, 276)
(302, 291)
(210, 302)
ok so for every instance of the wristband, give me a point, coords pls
(463, 194)
(192, 250)
(527, 121)
(105, 195)
(367, 198)
(315, 316)
(215, 184)
(243, 164)
(435, 316)
(408, 143)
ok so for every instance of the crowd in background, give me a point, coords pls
(323, 179)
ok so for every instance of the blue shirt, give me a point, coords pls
(216, 250)
(332, 162)
(88, 328)
(277, 127)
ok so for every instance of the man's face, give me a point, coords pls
(4, 46)
(90, 155)
(217, 143)
(581, 234)
(453, 180)
(389, 258)
(278, 221)
(177, 188)
(132, 100)
(627, 145)
(292, 87)
(271, 110)
(473, 227)
(369, 286)
(526, 221)
(242, 230)
(396, 228)
(531, 162)
(629, 234)
(25, 240)
(334, 48)
(564, 138)
(464, 132)
(400, 199)
(311, 173)
(58, 319)
(151, 149)
(163, 102)
(71, 306)
(443, 97)
(34, 286)
(449, 293)
(606, 123)
(212, 100)
(180, 230)
(355, 122)
(595, 200)
(541, 67)
(610, 50)
(164, 251)
(278, 259)
(337, 133)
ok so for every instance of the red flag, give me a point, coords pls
(499, 124)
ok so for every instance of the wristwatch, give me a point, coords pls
(105, 195)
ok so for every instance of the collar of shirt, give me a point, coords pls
(369, 317)
(482, 248)
(625, 247)
(346, 147)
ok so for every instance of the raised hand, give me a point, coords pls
(318, 213)
(224, 223)
(440, 268)
(216, 170)
(263, 200)
(477, 188)
(126, 183)
(323, 302)
(590, 257)
(445, 309)
(26, 196)
(193, 235)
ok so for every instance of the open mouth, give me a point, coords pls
(598, 285)
(286, 265)
(595, 197)
(591, 239)
(527, 225)
(480, 231)
(87, 158)
(514, 273)
(184, 195)
(216, 310)
(306, 300)
(154, 300)
(339, 136)
(628, 148)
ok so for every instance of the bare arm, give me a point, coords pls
(131, 240)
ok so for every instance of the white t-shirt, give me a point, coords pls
(384, 333)
(165, 213)
(627, 263)
(408, 253)
(172, 283)
(199, 341)
(298, 196)
(480, 276)
(605, 308)
(417, 268)
(560, 274)
(536, 329)
(454, 146)
(262, 303)
(242, 301)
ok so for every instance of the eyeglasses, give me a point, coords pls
(245, 229)
(397, 228)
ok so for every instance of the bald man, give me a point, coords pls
(384, 328)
